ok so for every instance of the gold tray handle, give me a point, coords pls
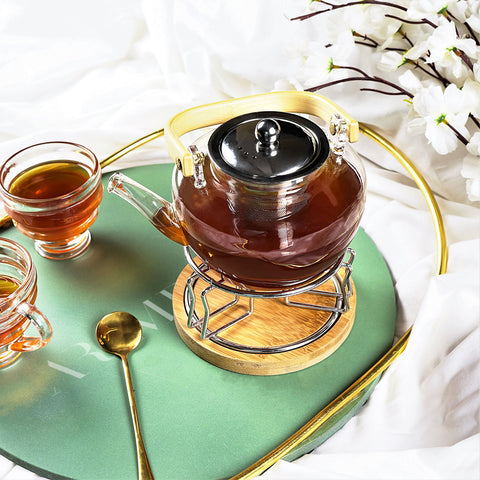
(216, 113)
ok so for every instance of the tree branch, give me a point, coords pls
(423, 21)
(364, 77)
(350, 4)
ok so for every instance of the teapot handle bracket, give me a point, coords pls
(198, 162)
(337, 136)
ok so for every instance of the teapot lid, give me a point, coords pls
(268, 147)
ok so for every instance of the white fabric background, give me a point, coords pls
(105, 72)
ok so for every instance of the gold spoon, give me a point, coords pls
(120, 333)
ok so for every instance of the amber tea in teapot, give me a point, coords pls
(273, 239)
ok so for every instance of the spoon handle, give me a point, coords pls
(144, 470)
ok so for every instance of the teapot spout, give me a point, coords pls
(157, 210)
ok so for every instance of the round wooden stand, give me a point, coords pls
(272, 323)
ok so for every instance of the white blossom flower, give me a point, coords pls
(471, 168)
(437, 107)
(417, 10)
(370, 20)
(476, 71)
(471, 91)
(391, 61)
(318, 66)
(471, 10)
(320, 58)
(442, 47)
(412, 83)
(473, 147)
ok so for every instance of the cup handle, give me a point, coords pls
(41, 323)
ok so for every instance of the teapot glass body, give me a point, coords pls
(268, 199)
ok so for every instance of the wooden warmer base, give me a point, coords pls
(273, 323)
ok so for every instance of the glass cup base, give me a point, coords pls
(8, 357)
(64, 250)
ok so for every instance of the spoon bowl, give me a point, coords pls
(119, 333)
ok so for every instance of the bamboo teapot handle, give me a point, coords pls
(217, 113)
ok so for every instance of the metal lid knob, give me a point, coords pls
(267, 131)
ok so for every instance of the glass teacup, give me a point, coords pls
(18, 292)
(52, 192)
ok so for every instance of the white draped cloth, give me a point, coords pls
(103, 73)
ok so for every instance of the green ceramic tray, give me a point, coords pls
(64, 410)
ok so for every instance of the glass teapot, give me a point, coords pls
(268, 199)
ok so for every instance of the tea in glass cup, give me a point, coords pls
(52, 192)
(18, 292)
